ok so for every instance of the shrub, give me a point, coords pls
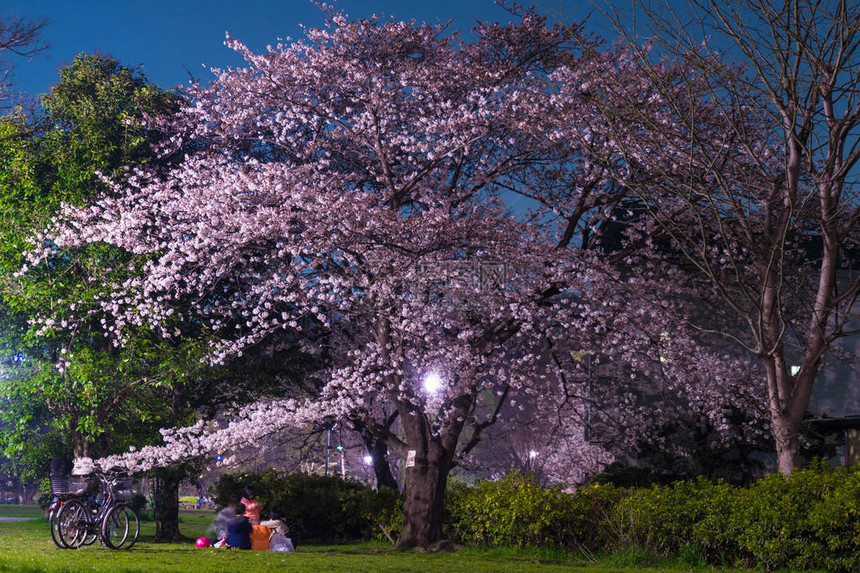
(319, 508)
(384, 512)
(593, 506)
(662, 519)
(836, 522)
(137, 503)
(792, 522)
(808, 520)
(513, 512)
(45, 500)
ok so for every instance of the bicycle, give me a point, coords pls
(63, 490)
(80, 521)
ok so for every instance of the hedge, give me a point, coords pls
(319, 508)
(810, 520)
(518, 512)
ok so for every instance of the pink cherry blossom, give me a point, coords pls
(357, 188)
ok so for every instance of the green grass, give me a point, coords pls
(21, 511)
(26, 546)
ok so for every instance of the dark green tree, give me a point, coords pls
(89, 126)
(76, 384)
(74, 387)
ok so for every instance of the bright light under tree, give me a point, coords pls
(432, 382)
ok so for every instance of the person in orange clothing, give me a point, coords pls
(252, 506)
(260, 537)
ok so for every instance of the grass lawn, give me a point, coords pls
(26, 546)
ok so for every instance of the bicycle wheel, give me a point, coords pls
(120, 527)
(54, 523)
(72, 523)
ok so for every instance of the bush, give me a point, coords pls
(518, 512)
(662, 519)
(384, 511)
(137, 503)
(319, 508)
(593, 506)
(808, 520)
(45, 500)
(836, 522)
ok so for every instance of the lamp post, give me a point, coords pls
(338, 447)
(327, 446)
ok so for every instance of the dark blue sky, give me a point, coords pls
(166, 37)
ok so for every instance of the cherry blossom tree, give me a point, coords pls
(749, 169)
(347, 179)
(351, 187)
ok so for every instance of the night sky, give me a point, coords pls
(172, 40)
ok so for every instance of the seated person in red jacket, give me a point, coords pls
(239, 528)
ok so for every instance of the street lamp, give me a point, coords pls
(432, 382)
(327, 447)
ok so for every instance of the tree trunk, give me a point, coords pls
(167, 505)
(786, 433)
(378, 451)
(789, 456)
(425, 497)
(77, 440)
(381, 466)
(788, 396)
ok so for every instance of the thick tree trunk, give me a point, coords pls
(167, 506)
(425, 497)
(430, 444)
(78, 444)
(427, 479)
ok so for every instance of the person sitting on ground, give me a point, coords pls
(278, 540)
(276, 522)
(219, 525)
(239, 528)
(252, 506)
(260, 535)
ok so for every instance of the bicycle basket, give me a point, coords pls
(122, 489)
(66, 486)
(78, 486)
(58, 485)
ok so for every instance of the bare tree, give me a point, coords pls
(18, 37)
(742, 143)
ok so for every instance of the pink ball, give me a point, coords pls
(203, 542)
